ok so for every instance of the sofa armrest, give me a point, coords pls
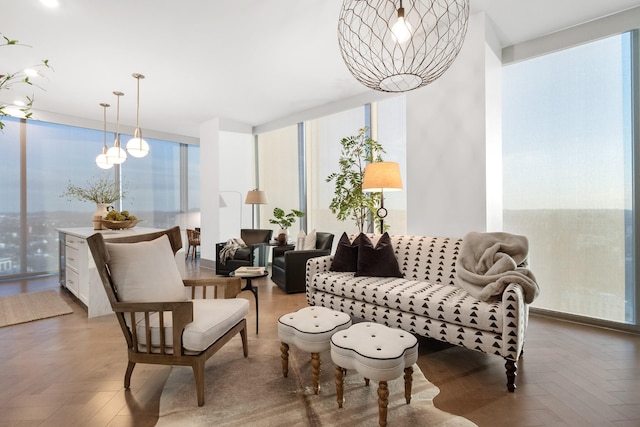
(303, 256)
(515, 321)
(318, 265)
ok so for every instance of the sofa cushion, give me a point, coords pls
(436, 301)
(378, 261)
(346, 256)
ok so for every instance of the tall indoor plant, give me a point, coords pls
(9, 80)
(349, 202)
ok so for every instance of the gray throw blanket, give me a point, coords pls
(488, 263)
(230, 248)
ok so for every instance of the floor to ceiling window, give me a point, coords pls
(568, 149)
(299, 173)
(39, 160)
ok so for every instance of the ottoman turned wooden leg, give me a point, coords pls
(408, 381)
(315, 371)
(339, 388)
(284, 355)
(383, 403)
(360, 346)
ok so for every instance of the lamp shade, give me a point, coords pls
(256, 197)
(380, 176)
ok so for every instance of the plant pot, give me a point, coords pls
(283, 236)
(99, 215)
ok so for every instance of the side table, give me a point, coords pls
(249, 287)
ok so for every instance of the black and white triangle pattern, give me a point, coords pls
(427, 301)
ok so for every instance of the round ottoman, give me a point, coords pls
(310, 330)
(376, 352)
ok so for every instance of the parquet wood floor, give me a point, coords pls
(68, 371)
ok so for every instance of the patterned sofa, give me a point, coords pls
(427, 301)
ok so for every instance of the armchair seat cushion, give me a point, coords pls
(212, 318)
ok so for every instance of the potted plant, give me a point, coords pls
(284, 220)
(349, 202)
(99, 190)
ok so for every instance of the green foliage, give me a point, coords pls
(9, 80)
(349, 202)
(97, 190)
(285, 220)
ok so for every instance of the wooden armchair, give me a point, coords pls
(193, 241)
(160, 325)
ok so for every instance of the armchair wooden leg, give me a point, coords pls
(198, 373)
(127, 375)
(243, 335)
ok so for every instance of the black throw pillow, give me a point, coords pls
(346, 257)
(379, 261)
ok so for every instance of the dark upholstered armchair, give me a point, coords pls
(255, 254)
(288, 266)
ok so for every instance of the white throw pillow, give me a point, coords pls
(145, 271)
(310, 240)
(300, 241)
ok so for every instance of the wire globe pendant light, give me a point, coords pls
(102, 160)
(116, 154)
(391, 47)
(137, 146)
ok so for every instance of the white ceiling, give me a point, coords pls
(251, 61)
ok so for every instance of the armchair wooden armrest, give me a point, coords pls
(181, 316)
(232, 286)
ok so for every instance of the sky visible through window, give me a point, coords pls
(569, 113)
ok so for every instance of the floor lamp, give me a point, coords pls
(255, 197)
(380, 176)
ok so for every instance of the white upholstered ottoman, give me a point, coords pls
(377, 352)
(309, 329)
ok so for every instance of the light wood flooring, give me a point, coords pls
(68, 371)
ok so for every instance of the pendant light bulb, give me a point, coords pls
(116, 154)
(401, 30)
(137, 146)
(102, 160)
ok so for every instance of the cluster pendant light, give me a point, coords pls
(102, 160)
(116, 154)
(136, 147)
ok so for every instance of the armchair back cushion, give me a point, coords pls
(324, 241)
(145, 271)
(253, 236)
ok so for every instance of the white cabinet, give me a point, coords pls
(78, 272)
(76, 261)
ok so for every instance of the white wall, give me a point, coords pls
(226, 163)
(447, 139)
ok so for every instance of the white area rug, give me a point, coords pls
(253, 392)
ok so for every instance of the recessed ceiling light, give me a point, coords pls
(19, 103)
(50, 3)
(30, 72)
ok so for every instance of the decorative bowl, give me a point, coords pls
(120, 225)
